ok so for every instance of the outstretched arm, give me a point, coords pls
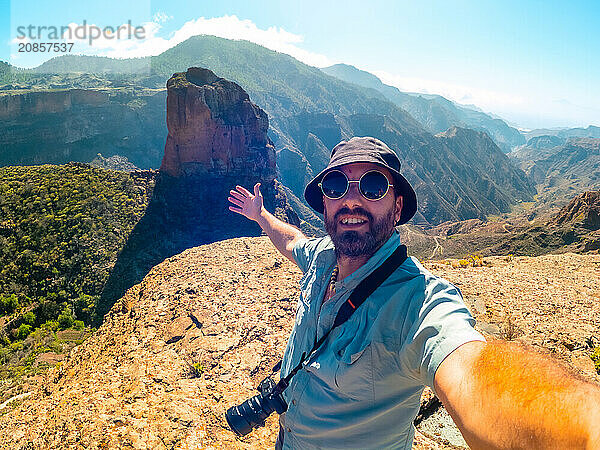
(283, 235)
(503, 395)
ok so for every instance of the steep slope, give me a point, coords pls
(434, 112)
(583, 210)
(500, 181)
(204, 327)
(563, 170)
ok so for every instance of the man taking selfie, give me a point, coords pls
(357, 382)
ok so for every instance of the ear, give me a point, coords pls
(399, 204)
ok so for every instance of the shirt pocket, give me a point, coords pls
(354, 373)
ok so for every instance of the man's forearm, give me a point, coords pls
(513, 397)
(283, 235)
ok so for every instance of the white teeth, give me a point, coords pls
(352, 221)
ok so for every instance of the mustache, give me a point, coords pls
(356, 211)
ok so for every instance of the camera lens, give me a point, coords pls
(243, 418)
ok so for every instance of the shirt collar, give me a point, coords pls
(373, 262)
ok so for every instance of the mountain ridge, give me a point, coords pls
(434, 111)
(309, 112)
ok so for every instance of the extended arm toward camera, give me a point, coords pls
(504, 395)
(282, 235)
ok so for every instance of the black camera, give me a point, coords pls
(252, 413)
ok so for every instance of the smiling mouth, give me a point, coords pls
(352, 221)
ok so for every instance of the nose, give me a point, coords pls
(353, 196)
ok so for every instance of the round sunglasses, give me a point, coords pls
(373, 185)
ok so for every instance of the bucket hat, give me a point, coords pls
(365, 150)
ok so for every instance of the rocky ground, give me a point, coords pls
(205, 326)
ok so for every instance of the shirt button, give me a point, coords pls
(294, 402)
(289, 430)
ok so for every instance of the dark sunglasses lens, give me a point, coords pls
(334, 185)
(373, 185)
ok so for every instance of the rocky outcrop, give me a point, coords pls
(116, 162)
(217, 140)
(215, 128)
(583, 209)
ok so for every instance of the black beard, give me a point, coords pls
(353, 244)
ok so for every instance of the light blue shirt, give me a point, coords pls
(362, 388)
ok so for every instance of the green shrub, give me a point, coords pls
(29, 318)
(16, 346)
(78, 324)
(51, 325)
(23, 331)
(596, 358)
(197, 369)
(85, 306)
(8, 304)
(65, 319)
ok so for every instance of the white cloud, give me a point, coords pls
(19, 40)
(483, 98)
(532, 109)
(229, 27)
(161, 17)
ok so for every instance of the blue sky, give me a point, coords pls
(533, 63)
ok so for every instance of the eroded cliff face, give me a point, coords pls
(56, 127)
(217, 139)
(583, 209)
(214, 128)
(48, 102)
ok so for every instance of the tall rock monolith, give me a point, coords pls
(217, 139)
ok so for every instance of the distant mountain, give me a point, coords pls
(565, 133)
(94, 64)
(434, 112)
(4, 68)
(11, 76)
(544, 141)
(562, 171)
(309, 112)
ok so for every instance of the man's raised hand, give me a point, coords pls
(245, 203)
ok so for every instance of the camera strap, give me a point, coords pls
(358, 296)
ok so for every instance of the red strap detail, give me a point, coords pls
(353, 307)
